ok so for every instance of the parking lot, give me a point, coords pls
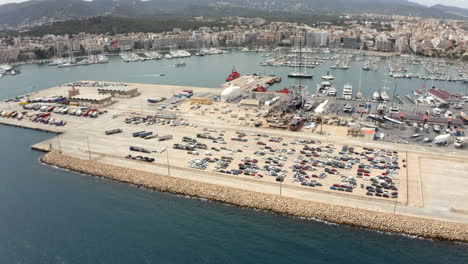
(223, 149)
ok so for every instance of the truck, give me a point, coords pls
(145, 134)
(138, 149)
(113, 131)
(137, 134)
(166, 137)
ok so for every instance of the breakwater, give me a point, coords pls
(387, 222)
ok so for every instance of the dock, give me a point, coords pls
(399, 99)
(411, 99)
(249, 82)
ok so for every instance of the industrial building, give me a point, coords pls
(92, 100)
(119, 91)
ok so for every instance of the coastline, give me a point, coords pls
(380, 221)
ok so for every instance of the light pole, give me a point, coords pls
(89, 150)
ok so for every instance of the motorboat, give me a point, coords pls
(308, 105)
(323, 88)
(348, 91)
(348, 108)
(332, 91)
(328, 77)
(460, 141)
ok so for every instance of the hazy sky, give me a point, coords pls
(459, 3)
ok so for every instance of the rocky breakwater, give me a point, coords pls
(387, 222)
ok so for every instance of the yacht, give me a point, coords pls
(308, 105)
(332, 91)
(328, 77)
(168, 56)
(348, 91)
(323, 87)
(348, 108)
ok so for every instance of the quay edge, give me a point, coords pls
(387, 222)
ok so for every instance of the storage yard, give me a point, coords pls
(193, 133)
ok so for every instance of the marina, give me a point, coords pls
(265, 154)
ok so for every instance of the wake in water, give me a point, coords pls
(150, 75)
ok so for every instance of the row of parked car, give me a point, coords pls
(64, 110)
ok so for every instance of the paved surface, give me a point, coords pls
(427, 188)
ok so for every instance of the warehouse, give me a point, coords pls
(119, 91)
(93, 100)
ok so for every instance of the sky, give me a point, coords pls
(458, 3)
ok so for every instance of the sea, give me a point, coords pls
(50, 215)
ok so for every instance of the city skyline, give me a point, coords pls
(455, 3)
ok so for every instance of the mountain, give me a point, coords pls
(462, 12)
(44, 10)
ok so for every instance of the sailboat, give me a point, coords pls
(299, 73)
(359, 94)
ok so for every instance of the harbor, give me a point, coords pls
(236, 137)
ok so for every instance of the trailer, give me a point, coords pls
(137, 134)
(166, 137)
(113, 131)
(145, 134)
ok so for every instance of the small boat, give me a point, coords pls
(260, 89)
(427, 140)
(348, 108)
(180, 64)
(376, 96)
(308, 105)
(393, 120)
(415, 135)
(328, 77)
(296, 124)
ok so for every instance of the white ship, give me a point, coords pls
(332, 91)
(323, 88)
(348, 91)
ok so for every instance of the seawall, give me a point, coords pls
(424, 227)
